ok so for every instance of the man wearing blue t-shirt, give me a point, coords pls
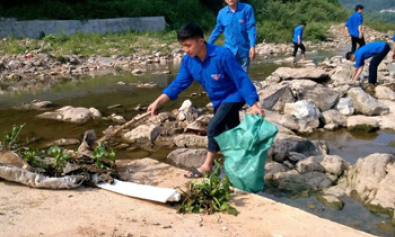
(353, 28)
(377, 49)
(219, 73)
(237, 22)
(298, 41)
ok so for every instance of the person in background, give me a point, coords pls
(377, 49)
(298, 42)
(393, 48)
(237, 22)
(226, 83)
(353, 28)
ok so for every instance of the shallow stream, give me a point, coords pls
(104, 91)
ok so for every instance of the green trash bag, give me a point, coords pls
(245, 149)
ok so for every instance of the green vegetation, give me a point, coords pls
(275, 20)
(210, 195)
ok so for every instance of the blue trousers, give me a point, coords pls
(225, 117)
(244, 62)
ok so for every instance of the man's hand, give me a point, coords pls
(252, 53)
(257, 110)
(153, 108)
(393, 56)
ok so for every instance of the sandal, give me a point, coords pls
(196, 174)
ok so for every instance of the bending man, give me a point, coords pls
(237, 21)
(377, 49)
(219, 73)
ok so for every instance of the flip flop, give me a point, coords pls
(196, 174)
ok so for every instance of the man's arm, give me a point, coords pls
(243, 83)
(360, 26)
(219, 28)
(154, 106)
(346, 29)
(393, 47)
(251, 31)
(356, 72)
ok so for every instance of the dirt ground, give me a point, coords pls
(93, 212)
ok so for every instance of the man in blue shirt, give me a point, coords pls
(377, 49)
(219, 73)
(353, 28)
(298, 41)
(237, 22)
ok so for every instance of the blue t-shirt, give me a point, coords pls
(238, 28)
(298, 31)
(353, 23)
(393, 38)
(219, 74)
(367, 51)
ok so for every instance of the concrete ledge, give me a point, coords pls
(35, 29)
(93, 212)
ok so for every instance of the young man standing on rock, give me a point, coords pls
(237, 22)
(226, 83)
(353, 28)
(298, 42)
(377, 49)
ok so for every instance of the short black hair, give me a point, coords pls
(348, 55)
(189, 31)
(303, 23)
(358, 7)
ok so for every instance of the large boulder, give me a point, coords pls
(384, 93)
(142, 134)
(341, 75)
(275, 97)
(333, 119)
(188, 112)
(323, 97)
(292, 180)
(373, 178)
(365, 104)
(288, 73)
(345, 106)
(69, 114)
(332, 165)
(285, 144)
(35, 105)
(190, 140)
(187, 158)
(302, 110)
(301, 86)
(362, 123)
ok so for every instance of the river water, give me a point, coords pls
(104, 91)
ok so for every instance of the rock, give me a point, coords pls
(138, 71)
(345, 106)
(68, 114)
(365, 103)
(295, 156)
(302, 109)
(272, 168)
(189, 140)
(117, 118)
(335, 191)
(187, 158)
(331, 201)
(63, 142)
(287, 73)
(142, 134)
(293, 181)
(274, 97)
(333, 119)
(35, 105)
(330, 164)
(199, 126)
(384, 93)
(301, 86)
(362, 124)
(341, 75)
(188, 112)
(284, 144)
(105, 61)
(95, 113)
(372, 178)
(324, 98)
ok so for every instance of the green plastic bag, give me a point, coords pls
(245, 149)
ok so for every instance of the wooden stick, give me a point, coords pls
(127, 124)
